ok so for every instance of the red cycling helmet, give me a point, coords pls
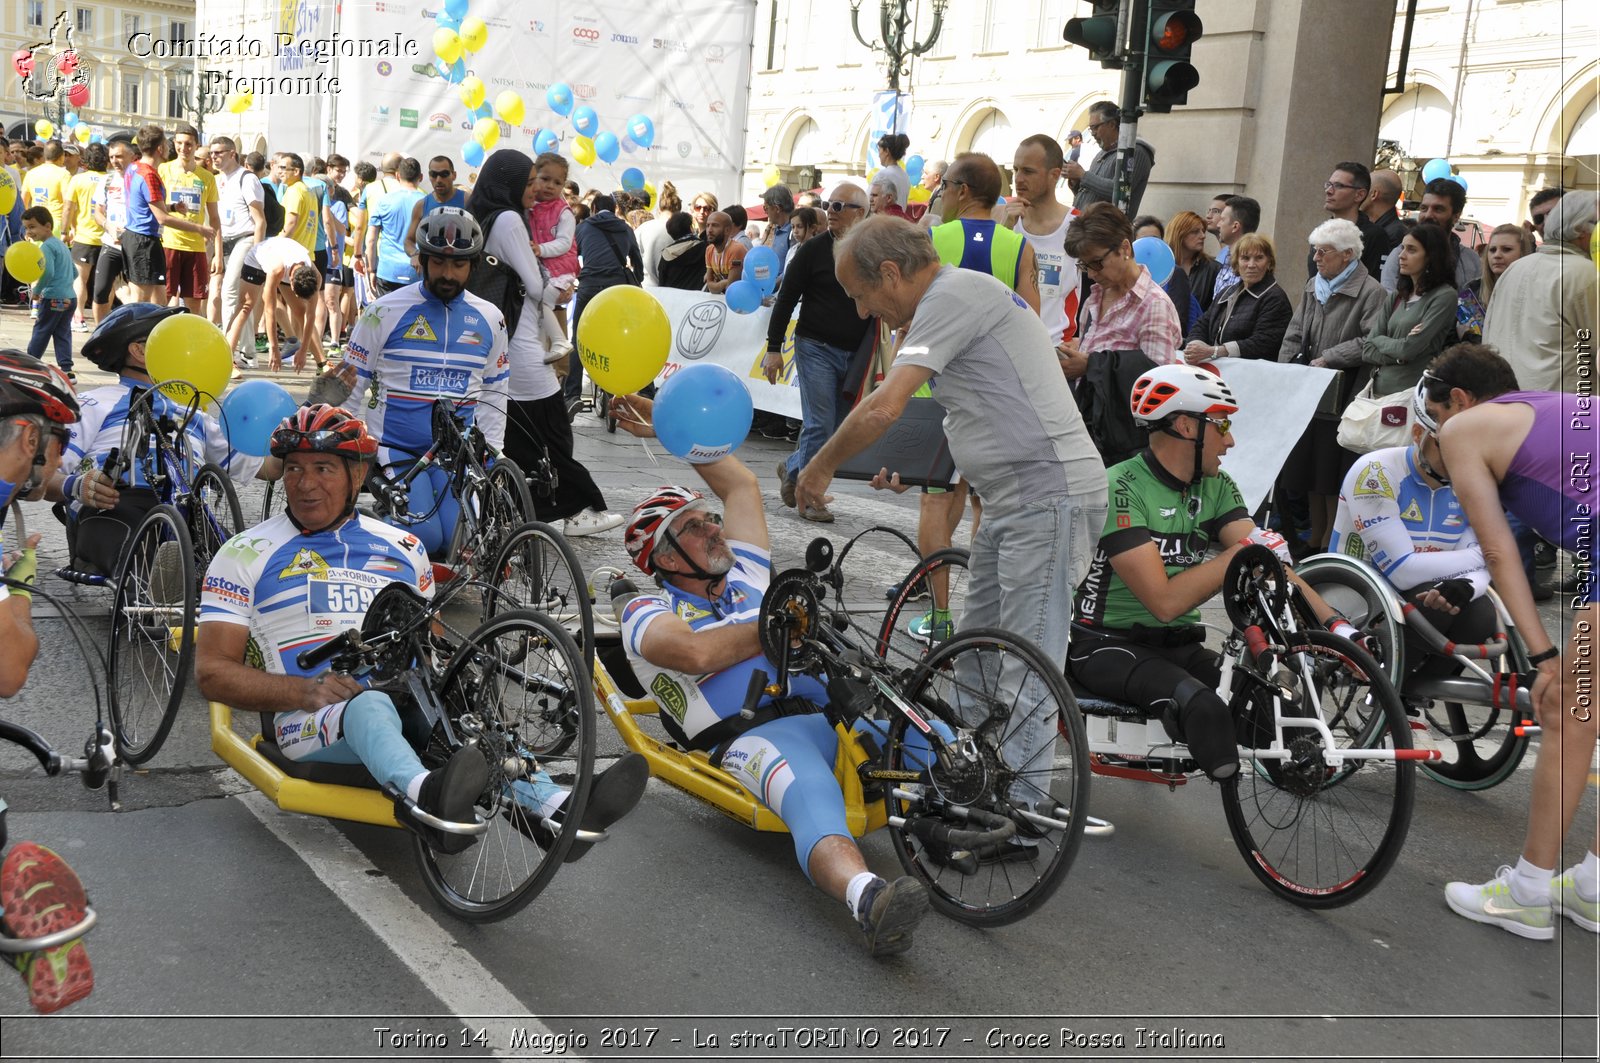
(650, 521)
(27, 385)
(323, 429)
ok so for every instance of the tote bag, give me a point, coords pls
(1373, 422)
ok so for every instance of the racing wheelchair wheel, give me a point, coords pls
(274, 500)
(151, 650)
(501, 504)
(1042, 788)
(537, 569)
(1316, 834)
(913, 602)
(497, 691)
(214, 515)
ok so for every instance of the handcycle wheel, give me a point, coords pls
(495, 690)
(274, 500)
(1315, 834)
(156, 599)
(501, 504)
(915, 597)
(963, 679)
(1356, 595)
(214, 515)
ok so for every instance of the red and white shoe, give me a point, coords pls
(41, 895)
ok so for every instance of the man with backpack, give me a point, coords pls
(610, 256)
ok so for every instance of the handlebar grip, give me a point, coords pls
(753, 692)
(319, 655)
(1256, 641)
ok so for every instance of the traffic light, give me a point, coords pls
(1168, 73)
(1098, 33)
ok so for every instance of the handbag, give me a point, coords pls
(1373, 422)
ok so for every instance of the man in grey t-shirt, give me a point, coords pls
(1014, 431)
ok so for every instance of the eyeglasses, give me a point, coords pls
(1092, 126)
(701, 525)
(1331, 185)
(440, 174)
(1094, 265)
(838, 206)
(700, 208)
(295, 439)
(1224, 424)
(951, 181)
(1323, 252)
(1538, 219)
(61, 434)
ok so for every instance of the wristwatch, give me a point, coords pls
(1548, 655)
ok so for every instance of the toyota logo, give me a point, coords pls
(700, 329)
(586, 33)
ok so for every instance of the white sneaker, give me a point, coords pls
(1492, 903)
(591, 522)
(1566, 900)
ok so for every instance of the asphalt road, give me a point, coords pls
(231, 930)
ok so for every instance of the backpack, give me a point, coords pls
(272, 209)
(499, 284)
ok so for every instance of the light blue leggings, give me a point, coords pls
(435, 532)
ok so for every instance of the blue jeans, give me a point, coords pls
(55, 323)
(1025, 567)
(822, 368)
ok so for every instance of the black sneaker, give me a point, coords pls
(613, 794)
(449, 793)
(890, 912)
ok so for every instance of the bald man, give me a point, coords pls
(1380, 205)
(724, 254)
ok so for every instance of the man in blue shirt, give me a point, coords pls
(386, 231)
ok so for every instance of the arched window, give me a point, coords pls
(1584, 136)
(1419, 121)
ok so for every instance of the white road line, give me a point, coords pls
(460, 982)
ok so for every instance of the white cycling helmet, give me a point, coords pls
(1419, 407)
(1172, 389)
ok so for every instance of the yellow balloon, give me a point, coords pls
(8, 191)
(446, 44)
(486, 131)
(83, 133)
(508, 105)
(650, 190)
(472, 92)
(583, 151)
(241, 103)
(25, 259)
(192, 353)
(919, 195)
(771, 176)
(474, 33)
(624, 339)
(44, 128)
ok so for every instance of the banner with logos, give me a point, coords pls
(297, 122)
(705, 330)
(685, 64)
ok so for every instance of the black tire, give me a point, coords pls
(998, 892)
(1313, 834)
(214, 515)
(912, 600)
(273, 501)
(491, 689)
(145, 677)
(501, 504)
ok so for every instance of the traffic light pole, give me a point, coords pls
(1131, 22)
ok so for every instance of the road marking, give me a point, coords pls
(451, 973)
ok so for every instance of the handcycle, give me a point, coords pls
(926, 746)
(1484, 730)
(495, 686)
(156, 599)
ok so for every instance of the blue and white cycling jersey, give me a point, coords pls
(296, 591)
(420, 349)
(1411, 533)
(697, 702)
(104, 415)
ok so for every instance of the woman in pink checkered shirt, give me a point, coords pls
(1126, 310)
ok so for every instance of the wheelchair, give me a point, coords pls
(1479, 718)
(496, 686)
(156, 581)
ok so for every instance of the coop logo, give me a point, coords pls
(714, 53)
(439, 120)
(700, 329)
(385, 68)
(454, 381)
(667, 44)
(624, 38)
(586, 35)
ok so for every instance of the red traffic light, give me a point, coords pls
(1175, 31)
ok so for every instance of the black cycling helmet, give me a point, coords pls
(28, 386)
(108, 346)
(449, 232)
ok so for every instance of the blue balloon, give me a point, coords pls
(703, 412)
(251, 411)
(69, 119)
(761, 267)
(546, 142)
(606, 147)
(633, 179)
(472, 153)
(1434, 169)
(456, 9)
(485, 110)
(628, 145)
(455, 72)
(559, 98)
(1153, 254)
(642, 130)
(914, 167)
(585, 121)
(1458, 179)
(445, 21)
(97, 139)
(744, 297)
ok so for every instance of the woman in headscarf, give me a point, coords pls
(536, 424)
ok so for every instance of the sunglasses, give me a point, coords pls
(440, 174)
(1224, 424)
(839, 206)
(298, 440)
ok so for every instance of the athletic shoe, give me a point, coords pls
(785, 485)
(80, 325)
(612, 795)
(1493, 903)
(924, 630)
(1566, 900)
(41, 895)
(591, 522)
(918, 592)
(890, 912)
(449, 793)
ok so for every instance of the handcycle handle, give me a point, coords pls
(1436, 640)
(316, 656)
(752, 693)
(393, 494)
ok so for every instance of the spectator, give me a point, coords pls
(700, 208)
(1042, 219)
(1186, 236)
(442, 180)
(1214, 213)
(192, 195)
(1442, 203)
(803, 225)
(1380, 207)
(1506, 244)
(881, 197)
(891, 149)
(53, 290)
(1148, 225)
(1177, 283)
(741, 225)
(778, 202)
(610, 256)
(143, 259)
(241, 202)
(1344, 193)
(1339, 307)
(653, 236)
(1540, 206)
(810, 199)
(1099, 185)
(1421, 318)
(1126, 310)
(110, 205)
(682, 263)
(969, 238)
(1074, 145)
(1240, 215)
(826, 339)
(1544, 306)
(555, 241)
(388, 218)
(81, 230)
(45, 185)
(724, 254)
(933, 181)
(1249, 319)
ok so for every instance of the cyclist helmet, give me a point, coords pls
(28, 386)
(1173, 389)
(651, 519)
(323, 429)
(1419, 407)
(449, 232)
(108, 346)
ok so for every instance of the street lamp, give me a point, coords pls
(894, 30)
(196, 102)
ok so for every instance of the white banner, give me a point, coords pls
(684, 64)
(705, 330)
(1276, 402)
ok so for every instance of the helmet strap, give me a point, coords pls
(694, 570)
(344, 514)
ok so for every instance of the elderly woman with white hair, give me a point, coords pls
(1544, 303)
(1340, 306)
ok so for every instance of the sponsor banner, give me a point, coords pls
(705, 330)
(1276, 402)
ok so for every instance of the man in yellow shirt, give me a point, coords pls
(192, 196)
(80, 229)
(299, 205)
(45, 184)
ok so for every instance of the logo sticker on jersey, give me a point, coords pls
(1412, 514)
(753, 765)
(670, 696)
(1373, 481)
(253, 657)
(425, 581)
(243, 549)
(438, 379)
(470, 338)
(420, 330)
(689, 612)
(383, 564)
(306, 563)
